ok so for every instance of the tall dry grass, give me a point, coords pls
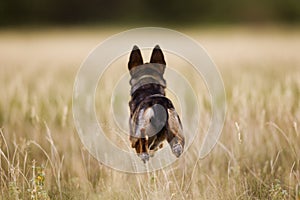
(257, 157)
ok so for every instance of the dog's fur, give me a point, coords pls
(150, 108)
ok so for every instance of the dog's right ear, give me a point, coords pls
(157, 56)
(135, 58)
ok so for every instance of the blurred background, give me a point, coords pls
(254, 43)
(176, 12)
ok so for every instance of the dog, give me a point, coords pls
(153, 118)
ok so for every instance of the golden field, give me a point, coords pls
(257, 157)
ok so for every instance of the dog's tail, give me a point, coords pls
(154, 119)
(160, 116)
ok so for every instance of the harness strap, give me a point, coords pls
(156, 95)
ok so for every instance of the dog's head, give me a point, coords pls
(146, 73)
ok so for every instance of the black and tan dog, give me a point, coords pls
(153, 118)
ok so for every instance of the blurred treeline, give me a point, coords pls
(43, 12)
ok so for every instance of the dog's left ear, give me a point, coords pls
(135, 58)
(157, 56)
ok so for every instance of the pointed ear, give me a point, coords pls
(135, 58)
(157, 56)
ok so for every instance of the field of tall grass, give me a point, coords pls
(257, 156)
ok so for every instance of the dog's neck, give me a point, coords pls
(147, 74)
